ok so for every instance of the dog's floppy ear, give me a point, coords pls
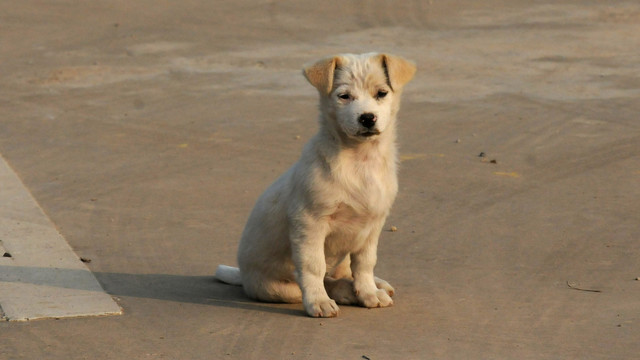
(320, 74)
(399, 71)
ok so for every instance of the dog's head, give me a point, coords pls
(361, 93)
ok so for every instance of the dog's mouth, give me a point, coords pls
(369, 133)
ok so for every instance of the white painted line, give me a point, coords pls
(40, 275)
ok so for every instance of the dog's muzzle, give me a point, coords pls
(368, 122)
(369, 133)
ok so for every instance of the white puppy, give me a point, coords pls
(312, 236)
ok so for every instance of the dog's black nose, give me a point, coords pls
(367, 120)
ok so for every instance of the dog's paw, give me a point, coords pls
(322, 308)
(383, 285)
(379, 298)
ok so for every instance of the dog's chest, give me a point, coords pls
(360, 210)
(368, 191)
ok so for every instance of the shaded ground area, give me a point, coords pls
(146, 131)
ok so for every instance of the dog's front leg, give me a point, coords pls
(307, 243)
(362, 264)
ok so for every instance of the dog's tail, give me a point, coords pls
(229, 275)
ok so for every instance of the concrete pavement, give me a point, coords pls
(146, 130)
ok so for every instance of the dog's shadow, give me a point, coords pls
(204, 290)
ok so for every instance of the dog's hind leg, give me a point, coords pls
(340, 290)
(339, 284)
(282, 291)
(269, 290)
(384, 285)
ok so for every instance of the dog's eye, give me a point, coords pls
(381, 94)
(345, 96)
